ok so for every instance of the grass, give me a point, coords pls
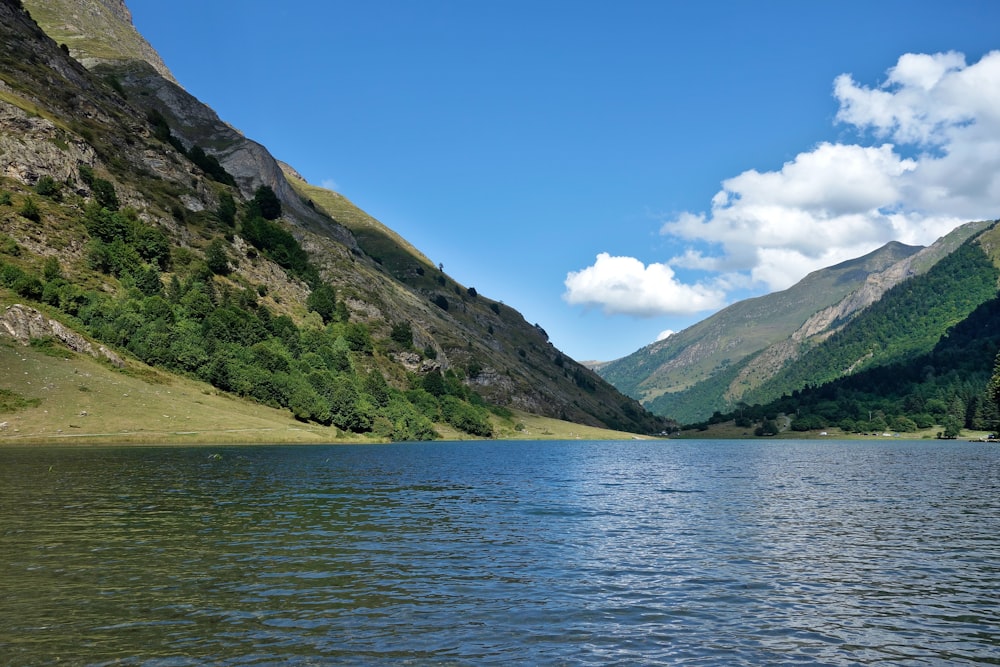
(68, 398)
(75, 398)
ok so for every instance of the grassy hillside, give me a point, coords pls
(909, 380)
(943, 391)
(51, 395)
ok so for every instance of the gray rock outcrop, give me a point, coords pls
(23, 324)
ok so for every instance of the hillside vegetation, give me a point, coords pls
(132, 214)
(907, 321)
(688, 374)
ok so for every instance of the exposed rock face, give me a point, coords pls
(195, 123)
(24, 324)
(32, 146)
(96, 31)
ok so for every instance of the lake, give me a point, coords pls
(503, 553)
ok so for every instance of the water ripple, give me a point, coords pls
(781, 553)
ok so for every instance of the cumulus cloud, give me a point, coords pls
(624, 285)
(932, 163)
(665, 334)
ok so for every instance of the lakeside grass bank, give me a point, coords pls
(49, 395)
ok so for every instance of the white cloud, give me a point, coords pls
(329, 184)
(625, 286)
(838, 200)
(824, 206)
(665, 334)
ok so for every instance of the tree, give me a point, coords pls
(952, 427)
(993, 388)
(375, 386)
(267, 203)
(433, 383)
(104, 194)
(466, 417)
(402, 333)
(51, 270)
(216, 258)
(47, 187)
(147, 280)
(323, 300)
(768, 427)
(30, 210)
(227, 209)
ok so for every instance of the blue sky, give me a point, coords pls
(615, 170)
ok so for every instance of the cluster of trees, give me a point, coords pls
(324, 370)
(276, 242)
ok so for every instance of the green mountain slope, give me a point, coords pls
(944, 389)
(134, 215)
(908, 321)
(723, 340)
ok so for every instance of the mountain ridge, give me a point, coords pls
(96, 32)
(711, 365)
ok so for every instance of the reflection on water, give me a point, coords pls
(503, 553)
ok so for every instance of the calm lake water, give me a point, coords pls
(526, 553)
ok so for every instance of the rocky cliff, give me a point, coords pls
(25, 324)
(96, 32)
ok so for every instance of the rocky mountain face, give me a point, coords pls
(715, 363)
(96, 32)
(123, 119)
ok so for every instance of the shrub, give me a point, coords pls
(30, 210)
(465, 417)
(47, 187)
(227, 209)
(8, 246)
(768, 427)
(267, 203)
(29, 287)
(104, 194)
(402, 333)
(86, 175)
(51, 269)
(323, 301)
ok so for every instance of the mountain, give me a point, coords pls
(96, 32)
(136, 216)
(724, 359)
(907, 321)
(925, 356)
